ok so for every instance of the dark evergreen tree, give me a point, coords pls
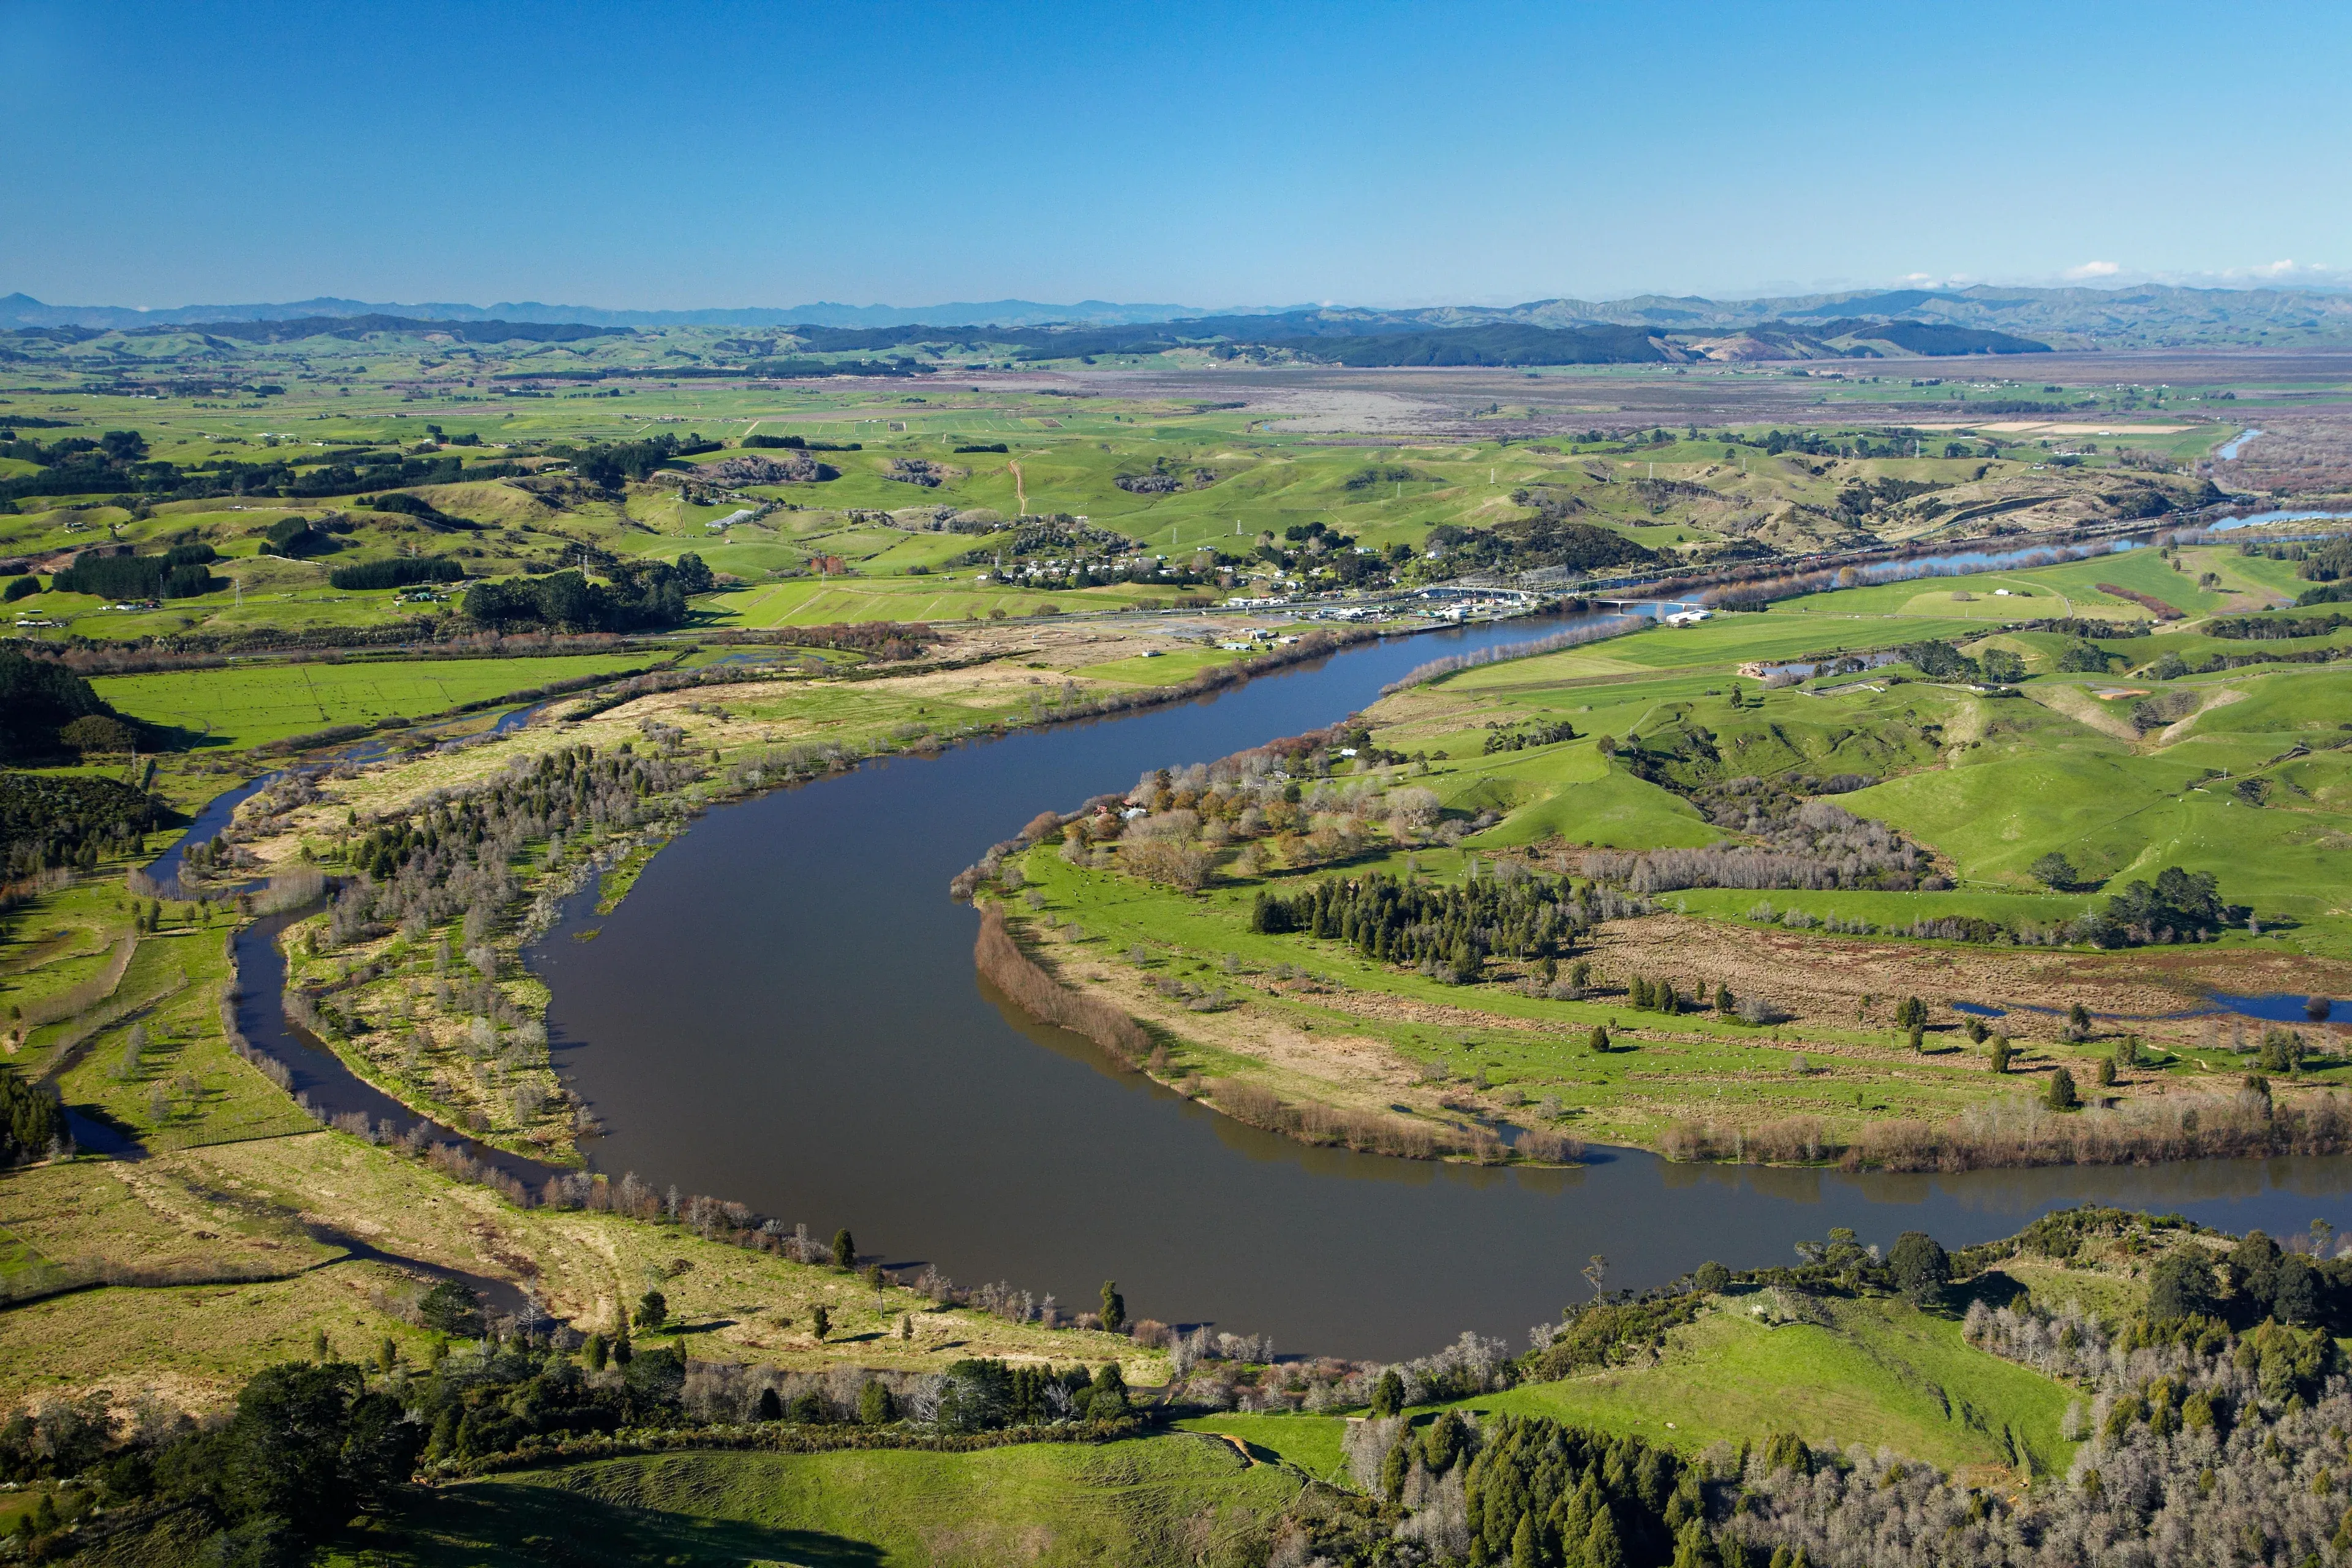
(1921, 1267)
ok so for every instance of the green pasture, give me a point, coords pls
(1306, 1443)
(1237, 476)
(1698, 1064)
(2038, 783)
(2194, 648)
(251, 704)
(1993, 783)
(1875, 1372)
(1173, 667)
(1144, 1501)
(184, 1087)
(821, 601)
(2068, 589)
(2255, 573)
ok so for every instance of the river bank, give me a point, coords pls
(782, 1011)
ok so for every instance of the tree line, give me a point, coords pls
(1448, 928)
(397, 571)
(49, 819)
(118, 464)
(310, 1445)
(643, 595)
(2258, 628)
(1543, 540)
(177, 573)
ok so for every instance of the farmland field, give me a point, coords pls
(256, 703)
(1570, 924)
(2116, 708)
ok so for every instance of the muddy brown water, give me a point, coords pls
(784, 1012)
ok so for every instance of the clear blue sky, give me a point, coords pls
(673, 156)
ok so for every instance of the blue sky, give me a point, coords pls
(673, 156)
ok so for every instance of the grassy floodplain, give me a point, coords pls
(247, 1237)
(259, 702)
(2243, 777)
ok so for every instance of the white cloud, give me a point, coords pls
(2267, 274)
(2090, 269)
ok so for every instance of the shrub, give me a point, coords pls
(2281, 1051)
(2083, 657)
(2060, 1094)
(1176, 862)
(1001, 960)
(99, 733)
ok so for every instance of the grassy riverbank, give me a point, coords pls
(233, 1256)
(437, 1008)
(1827, 1363)
(255, 703)
(1784, 1038)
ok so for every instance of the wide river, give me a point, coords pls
(784, 1012)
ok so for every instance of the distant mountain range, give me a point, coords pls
(2146, 316)
(2002, 320)
(24, 310)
